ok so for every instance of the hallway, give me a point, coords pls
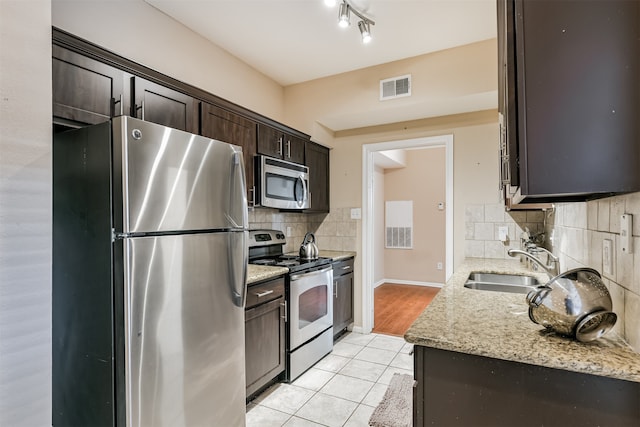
(397, 306)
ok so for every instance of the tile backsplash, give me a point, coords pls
(577, 232)
(333, 231)
(483, 221)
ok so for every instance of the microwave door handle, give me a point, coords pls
(304, 190)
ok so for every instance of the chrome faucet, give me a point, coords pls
(552, 269)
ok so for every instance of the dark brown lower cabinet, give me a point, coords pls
(342, 295)
(264, 334)
(457, 389)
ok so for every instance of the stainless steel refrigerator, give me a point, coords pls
(149, 269)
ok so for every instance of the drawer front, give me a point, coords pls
(264, 292)
(343, 267)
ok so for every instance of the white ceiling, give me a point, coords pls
(293, 41)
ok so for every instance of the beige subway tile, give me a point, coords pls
(632, 206)
(474, 213)
(493, 249)
(349, 244)
(635, 285)
(469, 228)
(494, 213)
(594, 244)
(483, 231)
(592, 215)
(615, 212)
(624, 265)
(617, 293)
(603, 215)
(474, 249)
(632, 319)
(575, 215)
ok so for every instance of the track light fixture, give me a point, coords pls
(344, 15)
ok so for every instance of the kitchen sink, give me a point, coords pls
(499, 282)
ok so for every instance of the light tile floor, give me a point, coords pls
(342, 389)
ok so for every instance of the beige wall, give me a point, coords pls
(25, 213)
(452, 81)
(475, 175)
(423, 182)
(137, 31)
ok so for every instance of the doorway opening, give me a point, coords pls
(371, 214)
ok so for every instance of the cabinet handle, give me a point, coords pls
(284, 306)
(280, 150)
(265, 293)
(288, 149)
(141, 107)
(119, 101)
(252, 199)
(335, 289)
(346, 267)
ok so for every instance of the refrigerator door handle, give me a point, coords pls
(238, 259)
(238, 193)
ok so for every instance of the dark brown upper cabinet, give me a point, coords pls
(162, 105)
(85, 91)
(223, 125)
(317, 159)
(569, 99)
(276, 143)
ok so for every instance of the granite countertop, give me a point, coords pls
(497, 325)
(337, 255)
(334, 255)
(258, 273)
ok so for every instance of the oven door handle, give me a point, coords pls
(310, 273)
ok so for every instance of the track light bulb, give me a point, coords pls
(365, 31)
(343, 15)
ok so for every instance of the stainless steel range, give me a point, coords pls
(309, 300)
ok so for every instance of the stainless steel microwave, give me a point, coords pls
(281, 184)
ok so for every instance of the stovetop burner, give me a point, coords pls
(265, 248)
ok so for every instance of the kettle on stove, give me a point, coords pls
(308, 248)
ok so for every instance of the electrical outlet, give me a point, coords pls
(289, 232)
(607, 257)
(356, 213)
(439, 266)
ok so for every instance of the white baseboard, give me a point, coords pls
(410, 282)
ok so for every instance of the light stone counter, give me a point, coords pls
(258, 273)
(337, 255)
(497, 325)
(334, 255)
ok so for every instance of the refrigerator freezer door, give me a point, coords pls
(173, 180)
(184, 330)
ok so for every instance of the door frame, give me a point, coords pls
(368, 168)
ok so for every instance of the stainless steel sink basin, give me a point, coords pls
(513, 283)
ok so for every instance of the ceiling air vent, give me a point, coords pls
(395, 87)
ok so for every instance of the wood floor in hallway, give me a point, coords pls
(397, 306)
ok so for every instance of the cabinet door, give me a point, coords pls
(270, 141)
(223, 125)
(161, 105)
(317, 159)
(85, 91)
(342, 302)
(293, 150)
(264, 344)
(578, 107)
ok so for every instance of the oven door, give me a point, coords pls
(311, 305)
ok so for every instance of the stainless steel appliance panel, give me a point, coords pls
(173, 180)
(311, 305)
(282, 185)
(184, 327)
